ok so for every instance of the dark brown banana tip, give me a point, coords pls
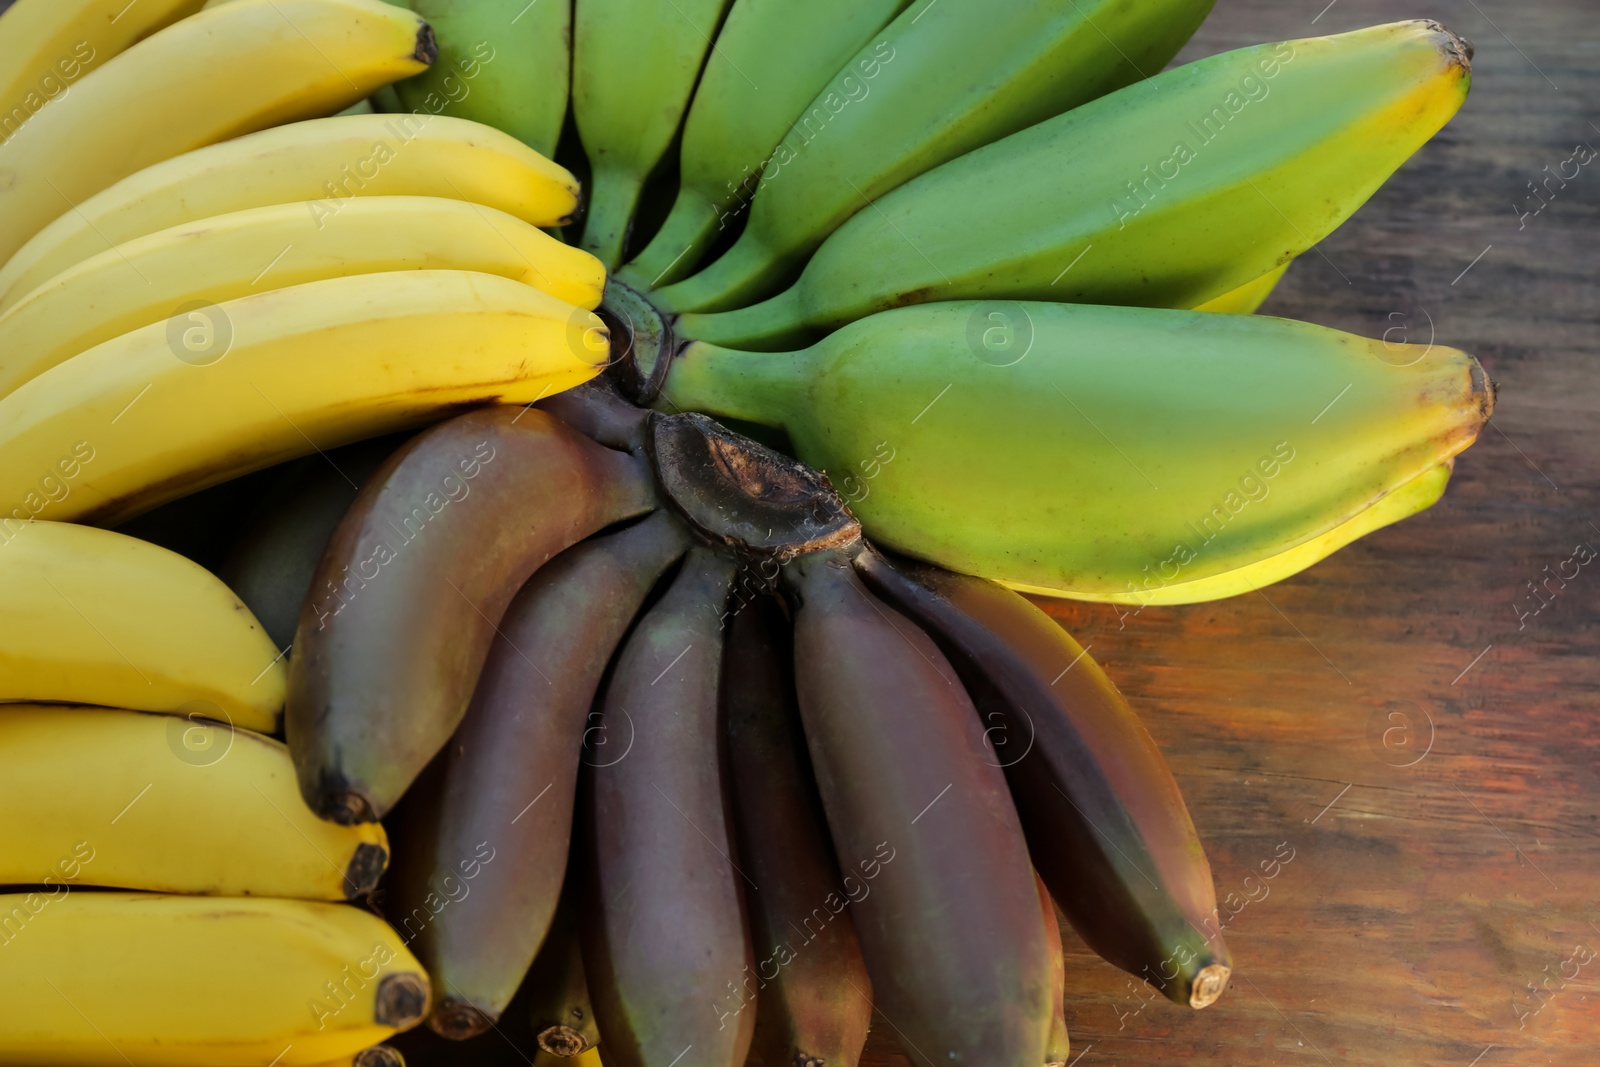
(402, 1000)
(366, 868)
(345, 807)
(562, 1041)
(379, 1056)
(427, 45)
(456, 1019)
(1456, 47)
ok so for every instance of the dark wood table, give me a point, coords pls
(1431, 762)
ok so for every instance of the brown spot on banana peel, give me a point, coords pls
(562, 1041)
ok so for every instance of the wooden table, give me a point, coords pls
(1431, 763)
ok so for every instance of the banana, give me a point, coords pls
(735, 123)
(810, 983)
(947, 914)
(1106, 824)
(215, 75)
(1419, 494)
(1248, 297)
(271, 562)
(561, 1010)
(324, 162)
(1059, 1047)
(505, 63)
(404, 604)
(50, 44)
(1006, 440)
(151, 802)
(1126, 200)
(212, 393)
(94, 617)
(634, 65)
(517, 752)
(105, 979)
(898, 111)
(258, 250)
(664, 936)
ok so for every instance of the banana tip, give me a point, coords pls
(458, 1020)
(427, 45)
(562, 1041)
(379, 1056)
(402, 1000)
(1485, 390)
(345, 807)
(1456, 48)
(365, 869)
(1208, 985)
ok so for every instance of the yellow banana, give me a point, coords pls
(211, 394)
(94, 617)
(215, 75)
(1248, 297)
(260, 249)
(106, 797)
(1406, 500)
(326, 162)
(109, 979)
(50, 44)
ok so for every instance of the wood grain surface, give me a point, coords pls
(1427, 750)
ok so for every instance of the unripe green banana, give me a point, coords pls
(634, 65)
(772, 56)
(1167, 193)
(1248, 297)
(919, 102)
(1100, 452)
(504, 63)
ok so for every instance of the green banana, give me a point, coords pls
(1097, 451)
(272, 561)
(510, 772)
(634, 65)
(947, 914)
(403, 606)
(664, 924)
(1248, 297)
(504, 63)
(809, 981)
(771, 58)
(1108, 829)
(560, 1009)
(1127, 200)
(909, 111)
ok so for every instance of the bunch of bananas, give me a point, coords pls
(666, 722)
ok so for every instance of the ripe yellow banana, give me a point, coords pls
(94, 617)
(260, 249)
(325, 162)
(208, 395)
(108, 979)
(236, 69)
(50, 44)
(106, 797)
